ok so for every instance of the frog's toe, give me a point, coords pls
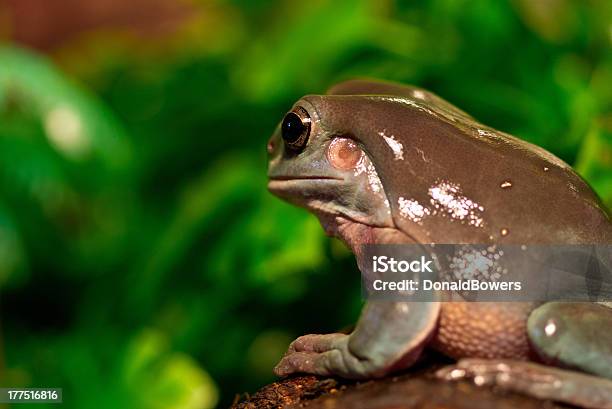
(315, 343)
(301, 362)
(535, 380)
(315, 354)
(481, 371)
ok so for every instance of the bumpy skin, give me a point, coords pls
(417, 146)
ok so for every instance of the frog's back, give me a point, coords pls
(472, 183)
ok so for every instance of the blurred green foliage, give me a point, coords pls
(142, 262)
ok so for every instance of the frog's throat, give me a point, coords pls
(355, 234)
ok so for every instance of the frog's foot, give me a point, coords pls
(325, 355)
(535, 380)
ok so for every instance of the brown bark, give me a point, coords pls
(410, 390)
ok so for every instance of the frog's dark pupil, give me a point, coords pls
(292, 127)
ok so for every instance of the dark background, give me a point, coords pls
(142, 262)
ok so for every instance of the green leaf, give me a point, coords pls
(159, 378)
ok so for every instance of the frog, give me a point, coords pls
(386, 163)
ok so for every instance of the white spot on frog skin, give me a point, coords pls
(418, 94)
(365, 166)
(412, 209)
(402, 307)
(545, 168)
(448, 198)
(504, 232)
(361, 165)
(420, 152)
(395, 145)
(506, 184)
(471, 264)
(373, 179)
(551, 328)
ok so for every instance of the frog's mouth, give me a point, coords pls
(300, 190)
(292, 188)
(320, 195)
(289, 178)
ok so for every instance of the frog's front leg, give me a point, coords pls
(575, 335)
(389, 336)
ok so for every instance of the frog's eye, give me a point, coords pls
(296, 128)
(344, 154)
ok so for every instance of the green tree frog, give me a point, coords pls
(379, 163)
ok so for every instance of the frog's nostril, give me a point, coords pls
(271, 147)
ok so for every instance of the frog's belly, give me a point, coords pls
(483, 330)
